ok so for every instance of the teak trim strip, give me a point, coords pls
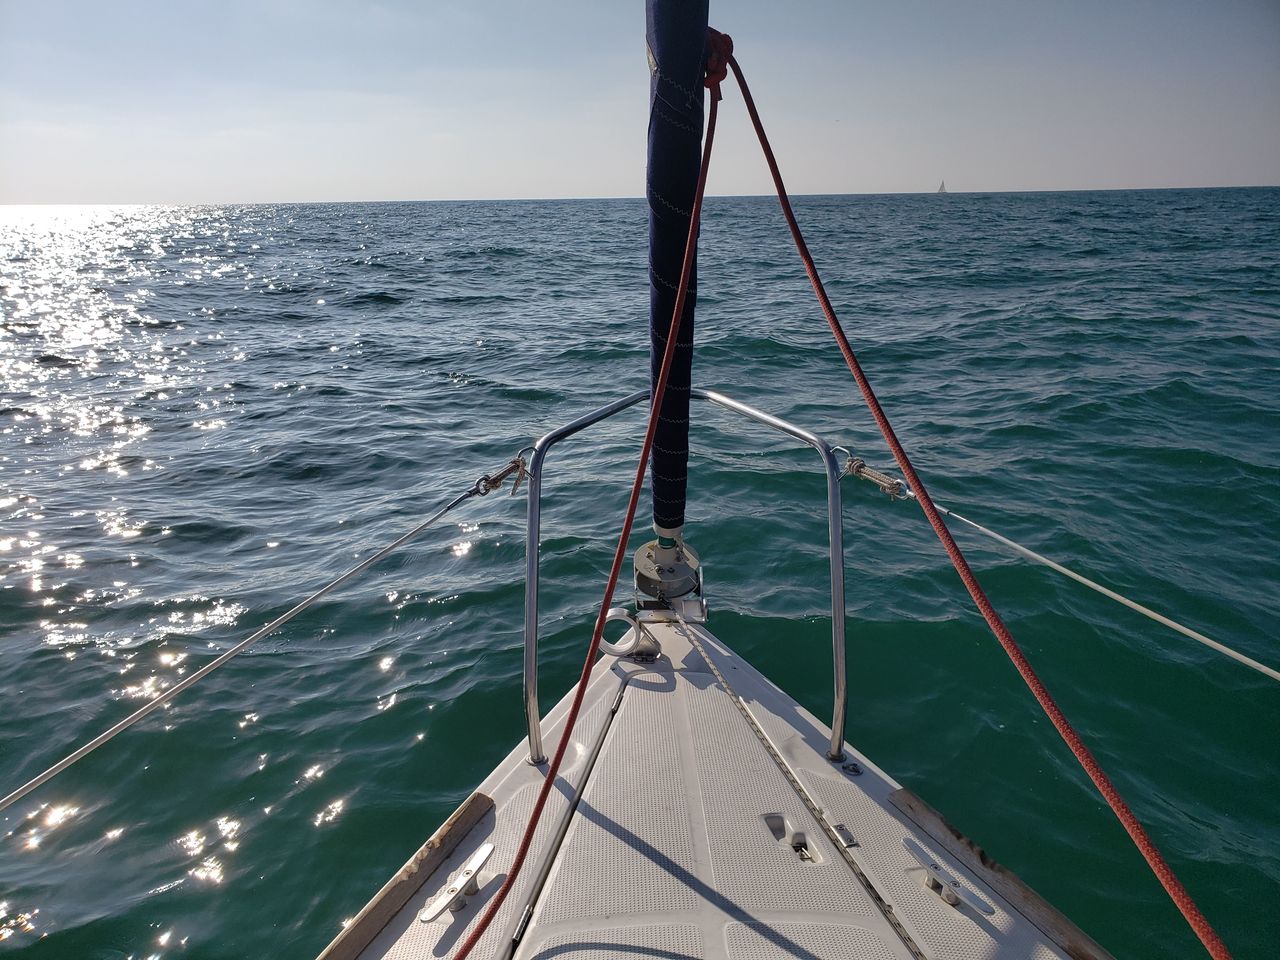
(1057, 927)
(395, 893)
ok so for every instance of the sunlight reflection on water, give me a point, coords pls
(206, 410)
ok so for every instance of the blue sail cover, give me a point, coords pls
(677, 37)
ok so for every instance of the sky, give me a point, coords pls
(193, 101)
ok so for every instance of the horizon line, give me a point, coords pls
(724, 196)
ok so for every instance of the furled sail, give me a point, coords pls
(676, 32)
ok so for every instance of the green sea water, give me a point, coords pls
(207, 412)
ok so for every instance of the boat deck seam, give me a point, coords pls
(803, 794)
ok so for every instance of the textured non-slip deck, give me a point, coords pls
(697, 818)
(712, 840)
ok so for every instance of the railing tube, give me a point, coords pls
(533, 532)
(835, 534)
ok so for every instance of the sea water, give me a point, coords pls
(208, 412)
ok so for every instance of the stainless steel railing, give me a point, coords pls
(533, 715)
(835, 534)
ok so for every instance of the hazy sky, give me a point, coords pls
(274, 100)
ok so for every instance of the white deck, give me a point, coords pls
(680, 826)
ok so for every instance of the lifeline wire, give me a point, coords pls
(1168, 879)
(1119, 598)
(897, 490)
(482, 486)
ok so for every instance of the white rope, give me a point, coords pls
(482, 486)
(1099, 588)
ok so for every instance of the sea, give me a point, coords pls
(208, 412)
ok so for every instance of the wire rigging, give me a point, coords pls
(897, 490)
(482, 486)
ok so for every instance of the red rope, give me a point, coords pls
(691, 247)
(1208, 936)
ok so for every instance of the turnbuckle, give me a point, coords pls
(493, 481)
(857, 467)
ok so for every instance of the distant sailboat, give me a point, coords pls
(942, 187)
